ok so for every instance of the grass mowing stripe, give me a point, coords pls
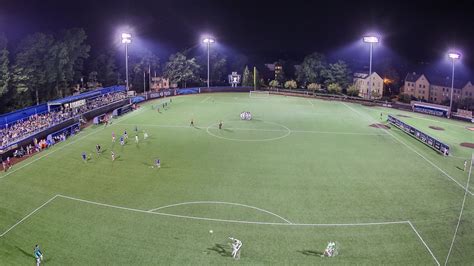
(263, 130)
(460, 213)
(415, 151)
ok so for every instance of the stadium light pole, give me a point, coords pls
(126, 39)
(453, 56)
(208, 41)
(370, 40)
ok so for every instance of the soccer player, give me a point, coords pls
(122, 141)
(4, 164)
(113, 137)
(125, 134)
(38, 255)
(220, 125)
(97, 148)
(236, 246)
(113, 155)
(465, 165)
(380, 116)
(192, 123)
(158, 163)
(84, 156)
(145, 135)
(9, 163)
(136, 138)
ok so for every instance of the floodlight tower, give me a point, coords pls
(370, 40)
(126, 39)
(453, 56)
(208, 41)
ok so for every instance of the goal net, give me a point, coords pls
(259, 94)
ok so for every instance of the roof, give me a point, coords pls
(412, 77)
(364, 75)
(446, 82)
(76, 97)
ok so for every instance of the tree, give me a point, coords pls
(247, 78)
(274, 84)
(33, 65)
(310, 70)
(313, 87)
(218, 67)
(179, 69)
(140, 65)
(105, 67)
(339, 73)
(334, 88)
(352, 90)
(291, 85)
(4, 65)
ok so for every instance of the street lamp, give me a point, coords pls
(371, 40)
(208, 41)
(453, 56)
(126, 39)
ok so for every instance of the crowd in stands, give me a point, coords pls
(39, 122)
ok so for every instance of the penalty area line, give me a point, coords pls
(287, 223)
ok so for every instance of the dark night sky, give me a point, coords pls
(415, 31)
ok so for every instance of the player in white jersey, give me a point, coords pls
(236, 246)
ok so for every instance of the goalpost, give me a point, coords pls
(259, 94)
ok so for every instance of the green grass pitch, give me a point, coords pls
(301, 173)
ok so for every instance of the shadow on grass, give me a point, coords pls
(27, 254)
(308, 252)
(220, 249)
(459, 168)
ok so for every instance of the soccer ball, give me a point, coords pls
(210, 231)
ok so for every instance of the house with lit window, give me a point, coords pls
(416, 85)
(362, 81)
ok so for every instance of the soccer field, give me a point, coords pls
(301, 173)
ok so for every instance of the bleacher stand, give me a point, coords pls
(27, 122)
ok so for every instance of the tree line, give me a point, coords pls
(45, 66)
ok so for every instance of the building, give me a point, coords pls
(361, 82)
(436, 90)
(416, 85)
(277, 70)
(159, 83)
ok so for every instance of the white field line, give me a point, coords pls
(460, 213)
(27, 216)
(221, 202)
(55, 149)
(311, 102)
(265, 130)
(415, 151)
(287, 223)
(205, 100)
(424, 243)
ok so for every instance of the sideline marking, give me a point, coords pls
(219, 220)
(70, 143)
(412, 149)
(221, 202)
(310, 102)
(460, 214)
